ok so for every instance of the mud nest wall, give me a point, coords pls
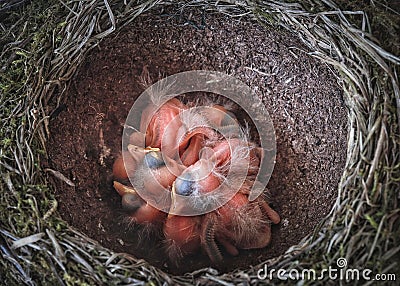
(40, 60)
(300, 93)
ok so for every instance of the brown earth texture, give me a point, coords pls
(300, 93)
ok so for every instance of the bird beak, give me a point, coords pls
(173, 200)
(177, 205)
(122, 189)
(151, 149)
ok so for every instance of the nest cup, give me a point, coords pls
(338, 199)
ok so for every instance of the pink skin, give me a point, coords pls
(201, 171)
(183, 233)
(191, 142)
(158, 123)
(228, 210)
(222, 151)
(237, 224)
(220, 116)
(226, 213)
(156, 181)
(148, 214)
(137, 139)
(216, 114)
(122, 170)
(191, 154)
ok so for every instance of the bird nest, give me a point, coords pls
(54, 93)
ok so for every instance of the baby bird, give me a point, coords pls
(239, 224)
(160, 125)
(153, 176)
